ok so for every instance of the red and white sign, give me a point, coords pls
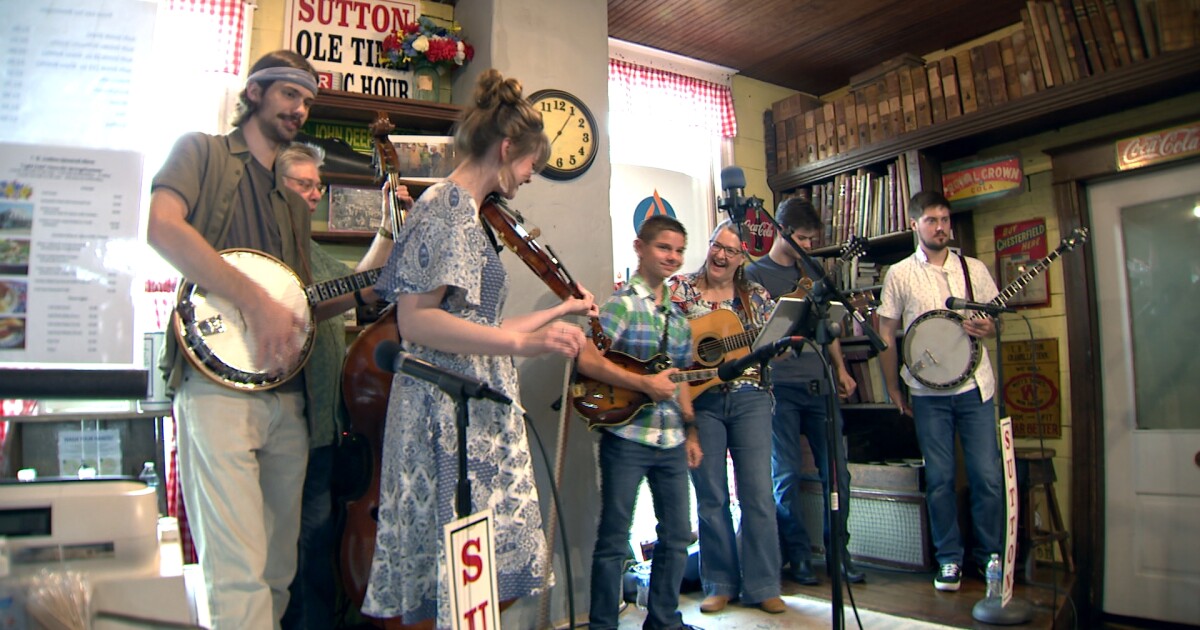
(1161, 146)
(1011, 507)
(469, 545)
(343, 40)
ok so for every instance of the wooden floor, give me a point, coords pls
(912, 595)
(906, 597)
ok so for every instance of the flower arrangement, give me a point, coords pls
(425, 43)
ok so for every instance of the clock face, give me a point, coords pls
(572, 131)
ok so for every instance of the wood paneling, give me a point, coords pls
(812, 46)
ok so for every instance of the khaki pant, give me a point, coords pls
(242, 458)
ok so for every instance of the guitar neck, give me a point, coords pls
(1024, 279)
(329, 289)
(703, 374)
(739, 340)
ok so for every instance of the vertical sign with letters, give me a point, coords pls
(471, 568)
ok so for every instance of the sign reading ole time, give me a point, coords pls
(343, 40)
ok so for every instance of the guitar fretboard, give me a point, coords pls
(694, 375)
(329, 289)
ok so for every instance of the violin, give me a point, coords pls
(506, 224)
(365, 392)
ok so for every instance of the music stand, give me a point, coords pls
(786, 318)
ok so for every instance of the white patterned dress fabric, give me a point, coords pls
(443, 244)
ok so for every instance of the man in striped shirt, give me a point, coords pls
(659, 443)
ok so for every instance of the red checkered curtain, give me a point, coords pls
(702, 104)
(228, 19)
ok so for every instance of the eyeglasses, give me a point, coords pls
(731, 252)
(307, 185)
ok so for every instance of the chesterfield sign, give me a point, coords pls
(1158, 147)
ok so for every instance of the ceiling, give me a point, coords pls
(812, 46)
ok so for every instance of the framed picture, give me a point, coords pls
(424, 158)
(354, 209)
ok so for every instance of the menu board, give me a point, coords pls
(73, 123)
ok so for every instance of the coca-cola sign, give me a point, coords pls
(1160, 146)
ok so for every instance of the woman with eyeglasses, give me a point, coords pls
(733, 417)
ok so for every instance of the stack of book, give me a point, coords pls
(1057, 42)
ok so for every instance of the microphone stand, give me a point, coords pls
(825, 332)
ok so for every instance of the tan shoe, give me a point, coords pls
(773, 605)
(714, 603)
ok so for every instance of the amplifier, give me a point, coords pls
(888, 528)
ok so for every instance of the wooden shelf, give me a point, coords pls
(344, 238)
(896, 241)
(406, 114)
(1169, 74)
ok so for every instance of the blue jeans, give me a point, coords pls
(938, 418)
(623, 464)
(737, 422)
(313, 590)
(800, 412)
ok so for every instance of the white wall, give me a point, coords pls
(560, 45)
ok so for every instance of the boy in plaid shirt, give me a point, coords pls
(659, 443)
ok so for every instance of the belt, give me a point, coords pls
(739, 384)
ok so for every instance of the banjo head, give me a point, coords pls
(938, 352)
(215, 337)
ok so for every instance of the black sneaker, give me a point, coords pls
(949, 578)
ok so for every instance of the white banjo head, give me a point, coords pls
(938, 352)
(215, 336)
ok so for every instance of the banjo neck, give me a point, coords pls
(321, 291)
(1078, 236)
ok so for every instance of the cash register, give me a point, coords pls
(106, 529)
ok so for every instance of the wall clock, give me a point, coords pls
(572, 132)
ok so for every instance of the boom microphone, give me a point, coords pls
(733, 369)
(958, 304)
(390, 357)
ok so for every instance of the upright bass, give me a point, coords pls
(365, 390)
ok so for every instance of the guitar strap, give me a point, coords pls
(967, 276)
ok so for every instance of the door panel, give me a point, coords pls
(1145, 238)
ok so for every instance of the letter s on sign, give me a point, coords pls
(472, 561)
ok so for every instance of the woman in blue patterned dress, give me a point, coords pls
(449, 288)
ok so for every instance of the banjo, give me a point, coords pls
(215, 337)
(936, 350)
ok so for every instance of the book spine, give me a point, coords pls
(1120, 42)
(950, 87)
(1008, 61)
(983, 91)
(1033, 17)
(937, 102)
(1133, 35)
(966, 81)
(920, 83)
(1090, 45)
(995, 72)
(908, 99)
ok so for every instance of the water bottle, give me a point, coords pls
(995, 577)
(149, 476)
(642, 571)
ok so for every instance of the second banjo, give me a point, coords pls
(936, 350)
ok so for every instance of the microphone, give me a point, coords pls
(958, 304)
(389, 357)
(733, 180)
(733, 369)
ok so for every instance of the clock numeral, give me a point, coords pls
(582, 123)
(587, 137)
(580, 151)
(572, 160)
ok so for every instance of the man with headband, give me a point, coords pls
(242, 453)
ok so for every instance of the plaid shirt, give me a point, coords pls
(634, 322)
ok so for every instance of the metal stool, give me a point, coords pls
(1035, 470)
